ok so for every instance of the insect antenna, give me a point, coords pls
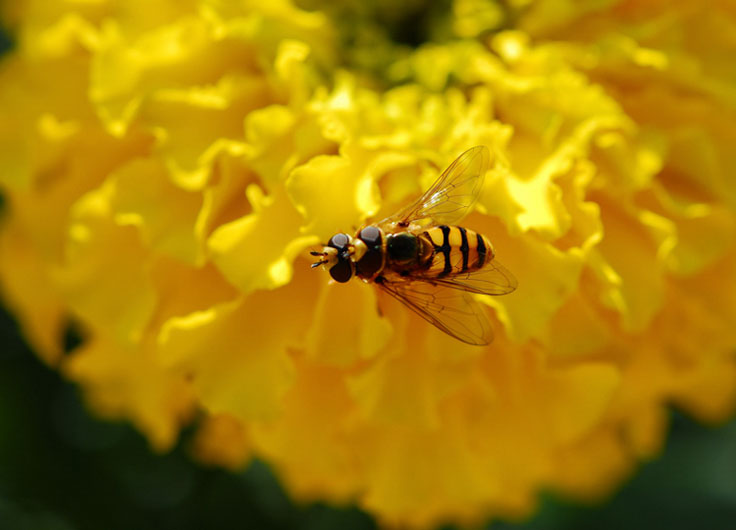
(320, 255)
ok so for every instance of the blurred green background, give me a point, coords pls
(62, 469)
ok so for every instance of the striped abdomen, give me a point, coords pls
(455, 250)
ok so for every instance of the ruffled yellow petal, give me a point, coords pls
(604, 451)
(165, 214)
(253, 369)
(694, 234)
(29, 292)
(128, 382)
(332, 191)
(130, 69)
(93, 279)
(186, 121)
(417, 369)
(222, 441)
(321, 464)
(166, 168)
(576, 329)
(257, 250)
(407, 491)
(577, 398)
(333, 327)
(545, 274)
(182, 290)
(399, 390)
(628, 267)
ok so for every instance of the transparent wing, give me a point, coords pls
(493, 279)
(452, 195)
(454, 312)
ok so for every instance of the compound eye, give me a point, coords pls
(339, 241)
(371, 236)
(342, 271)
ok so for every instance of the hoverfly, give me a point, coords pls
(423, 259)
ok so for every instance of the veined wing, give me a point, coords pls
(454, 312)
(453, 194)
(493, 279)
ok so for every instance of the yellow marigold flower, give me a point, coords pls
(167, 167)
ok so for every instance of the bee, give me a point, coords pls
(421, 257)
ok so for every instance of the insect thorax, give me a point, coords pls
(372, 260)
(406, 250)
(402, 248)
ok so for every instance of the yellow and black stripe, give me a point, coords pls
(456, 250)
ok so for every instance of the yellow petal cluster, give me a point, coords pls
(167, 166)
